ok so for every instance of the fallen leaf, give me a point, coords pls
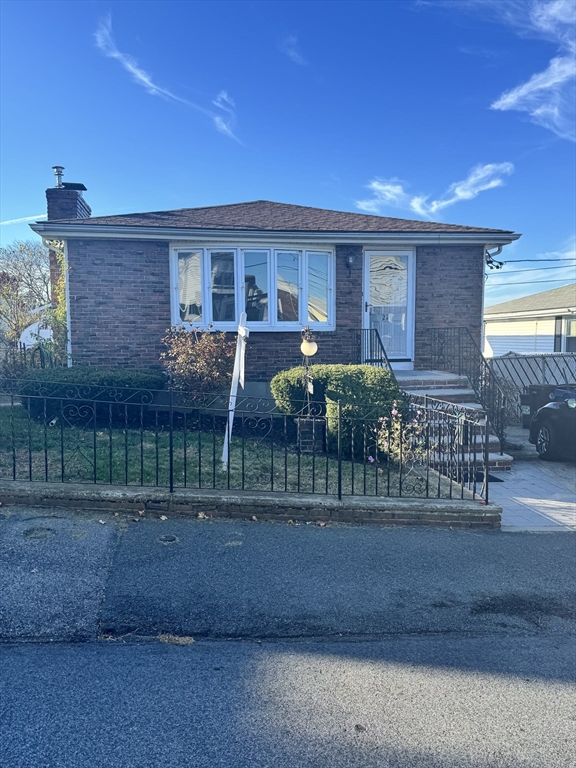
(359, 728)
(116, 514)
(321, 523)
(141, 511)
(102, 522)
(163, 517)
(201, 516)
(176, 639)
(135, 519)
(290, 522)
(254, 518)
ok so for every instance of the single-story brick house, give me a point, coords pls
(131, 276)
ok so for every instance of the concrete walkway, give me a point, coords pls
(535, 495)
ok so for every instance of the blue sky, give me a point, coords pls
(458, 111)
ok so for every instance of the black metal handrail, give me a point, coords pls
(454, 350)
(369, 349)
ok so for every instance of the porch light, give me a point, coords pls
(350, 259)
(308, 346)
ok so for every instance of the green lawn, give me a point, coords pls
(139, 455)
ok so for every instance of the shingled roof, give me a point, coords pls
(561, 299)
(263, 215)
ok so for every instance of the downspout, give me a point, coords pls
(490, 260)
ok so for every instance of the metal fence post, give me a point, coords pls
(171, 441)
(486, 455)
(339, 450)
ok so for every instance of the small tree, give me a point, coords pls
(198, 360)
(24, 286)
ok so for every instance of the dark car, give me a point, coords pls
(553, 430)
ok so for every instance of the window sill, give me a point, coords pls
(254, 328)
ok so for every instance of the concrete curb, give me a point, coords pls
(453, 513)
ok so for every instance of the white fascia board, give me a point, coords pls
(172, 234)
(557, 312)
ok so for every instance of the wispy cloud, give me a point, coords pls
(477, 50)
(548, 97)
(289, 47)
(225, 123)
(22, 221)
(107, 46)
(392, 194)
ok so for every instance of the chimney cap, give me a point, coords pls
(72, 185)
(58, 172)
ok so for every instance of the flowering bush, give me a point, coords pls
(198, 360)
(402, 438)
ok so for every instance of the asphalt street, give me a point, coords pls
(135, 641)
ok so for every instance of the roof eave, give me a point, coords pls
(529, 313)
(122, 232)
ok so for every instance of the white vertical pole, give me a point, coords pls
(237, 378)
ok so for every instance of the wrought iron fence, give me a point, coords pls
(100, 435)
(455, 350)
(16, 359)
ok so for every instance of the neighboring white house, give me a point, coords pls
(542, 322)
(31, 335)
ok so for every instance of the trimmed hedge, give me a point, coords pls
(45, 390)
(366, 393)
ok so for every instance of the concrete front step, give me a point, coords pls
(446, 394)
(451, 388)
(410, 379)
(422, 384)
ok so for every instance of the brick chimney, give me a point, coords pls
(65, 200)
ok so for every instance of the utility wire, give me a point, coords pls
(529, 282)
(538, 269)
(563, 258)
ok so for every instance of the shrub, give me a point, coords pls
(44, 391)
(289, 390)
(198, 360)
(366, 394)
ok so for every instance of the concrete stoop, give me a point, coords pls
(285, 507)
(451, 388)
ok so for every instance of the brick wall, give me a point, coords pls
(66, 204)
(449, 291)
(120, 305)
(120, 309)
(63, 204)
(119, 301)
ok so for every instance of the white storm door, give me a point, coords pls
(389, 300)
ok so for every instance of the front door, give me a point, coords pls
(389, 301)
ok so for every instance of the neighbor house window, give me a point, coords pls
(570, 335)
(278, 288)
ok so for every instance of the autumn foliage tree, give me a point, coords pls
(24, 286)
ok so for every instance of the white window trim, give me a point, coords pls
(271, 248)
